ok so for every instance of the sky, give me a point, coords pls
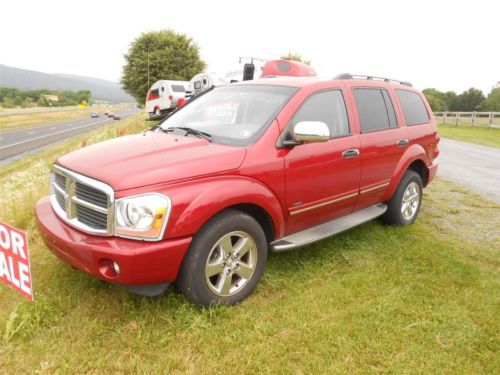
(448, 45)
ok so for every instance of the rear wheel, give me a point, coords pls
(157, 112)
(225, 260)
(404, 206)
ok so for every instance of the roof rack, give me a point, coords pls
(374, 78)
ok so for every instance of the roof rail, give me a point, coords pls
(374, 78)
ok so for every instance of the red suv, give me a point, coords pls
(272, 164)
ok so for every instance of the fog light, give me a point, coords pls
(116, 268)
(109, 269)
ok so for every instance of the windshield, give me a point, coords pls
(235, 115)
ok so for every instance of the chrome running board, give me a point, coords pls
(328, 229)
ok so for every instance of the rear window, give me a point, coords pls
(178, 88)
(155, 92)
(284, 66)
(375, 109)
(413, 107)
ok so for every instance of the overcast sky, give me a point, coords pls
(449, 45)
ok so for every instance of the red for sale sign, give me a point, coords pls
(14, 260)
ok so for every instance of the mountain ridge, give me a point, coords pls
(26, 79)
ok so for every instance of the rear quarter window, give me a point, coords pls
(413, 107)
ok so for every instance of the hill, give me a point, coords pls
(32, 80)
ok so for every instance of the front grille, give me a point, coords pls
(91, 218)
(60, 200)
(82, 202)
(89, 194)
(60, 180)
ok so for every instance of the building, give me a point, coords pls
(52, 98)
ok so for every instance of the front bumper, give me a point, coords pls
(141, 263)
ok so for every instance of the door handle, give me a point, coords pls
(402, 143)
(352, 153)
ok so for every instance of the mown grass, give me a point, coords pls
(376, 299)
(30, 120)
(483, 136)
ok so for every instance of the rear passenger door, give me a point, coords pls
(321, 183)
(383, 142)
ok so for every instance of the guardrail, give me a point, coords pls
(473, 119)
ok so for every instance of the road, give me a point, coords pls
(473, 166)
(17, 142)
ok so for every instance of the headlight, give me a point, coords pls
(142, 216)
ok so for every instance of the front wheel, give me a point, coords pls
(225, 260)
(403, 207)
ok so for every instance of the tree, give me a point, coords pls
(452, 101)
(492, 102)
(295, 57)
(437, 99)
(470, 99)
(159, 55)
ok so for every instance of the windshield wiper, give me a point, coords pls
(192, 131)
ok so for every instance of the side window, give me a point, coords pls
(328, 107)
(178, 88)
(413, 107)
(375, 109)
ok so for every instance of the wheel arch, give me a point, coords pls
(415, 159)
(191, 212)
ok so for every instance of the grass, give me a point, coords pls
(30, 120)
(376, 299)
(483, 136)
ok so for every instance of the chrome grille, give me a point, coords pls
(82, 202)
(89, 194)
(91, 218)
(60, 200)
(60, 181)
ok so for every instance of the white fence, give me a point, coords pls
(474, 119)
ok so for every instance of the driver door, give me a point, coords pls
(322, 178)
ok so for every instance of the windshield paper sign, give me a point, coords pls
(14, 260)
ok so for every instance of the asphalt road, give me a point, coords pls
(473, 166)
(18, 142)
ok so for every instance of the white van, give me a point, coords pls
(164, 95)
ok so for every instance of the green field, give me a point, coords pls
(376, 299)
(482, 136)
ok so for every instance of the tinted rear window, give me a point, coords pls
(284, 66)
(413, 107)
(178, 88)
(375, 109)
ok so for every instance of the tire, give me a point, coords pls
(213, 271)
(404, 206)
(157, 112)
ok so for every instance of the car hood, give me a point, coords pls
(150, 158)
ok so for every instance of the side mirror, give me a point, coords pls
(311, 131)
